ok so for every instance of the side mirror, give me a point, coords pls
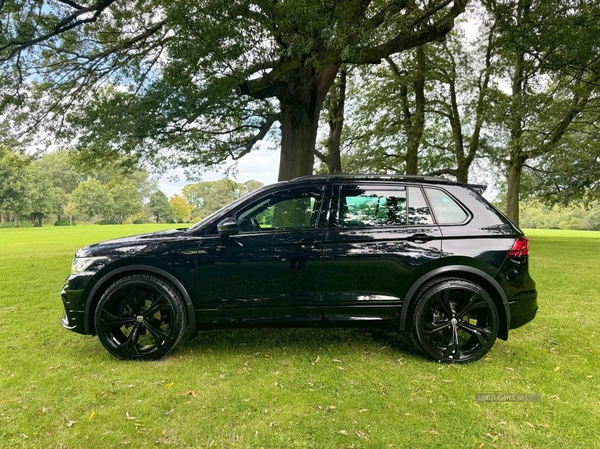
(228, 226)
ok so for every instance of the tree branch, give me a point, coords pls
(259, 87)
(68, 23)
(264, 129)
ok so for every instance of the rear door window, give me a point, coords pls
(380, 206)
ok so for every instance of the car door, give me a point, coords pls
(271, 270)
(381, 237)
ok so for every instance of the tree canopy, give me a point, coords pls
(199, 80)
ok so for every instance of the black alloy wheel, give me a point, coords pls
(140, 317)
(455, 321)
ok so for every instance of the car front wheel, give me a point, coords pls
(140, 317)
(455, 321)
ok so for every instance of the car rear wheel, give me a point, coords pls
(140, 317)
(455, 321)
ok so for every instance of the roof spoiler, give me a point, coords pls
(479, 188)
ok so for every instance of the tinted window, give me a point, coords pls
(289, 211)
(446, 210)
(418, 210)
(371, 207)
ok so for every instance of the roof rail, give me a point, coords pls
(479, 188)
(375, 176)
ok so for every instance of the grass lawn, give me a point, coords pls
(294, 388)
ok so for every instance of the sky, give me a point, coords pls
(261, 165)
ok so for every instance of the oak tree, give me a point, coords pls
(197, 82)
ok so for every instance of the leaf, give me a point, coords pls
(128, 416)
(92, 415)
(70, 423)
(316, 360)
(557, 368)
(343, 432)
(189, 393)
(169, 385)
(362, 435)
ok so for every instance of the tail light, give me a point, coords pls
(520, 248)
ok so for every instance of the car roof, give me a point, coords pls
(480, 188)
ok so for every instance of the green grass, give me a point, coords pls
(294, 388)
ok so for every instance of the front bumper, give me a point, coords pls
(74, 304)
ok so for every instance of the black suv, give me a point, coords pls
(421, 255)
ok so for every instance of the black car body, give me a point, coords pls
(421, 255)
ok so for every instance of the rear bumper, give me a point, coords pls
(523, 308)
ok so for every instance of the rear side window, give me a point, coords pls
(446, 210)
(368, 207)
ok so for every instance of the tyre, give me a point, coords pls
(454, 321)
(140, 317)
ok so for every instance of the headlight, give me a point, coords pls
(81, 264)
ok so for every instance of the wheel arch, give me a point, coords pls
(118, 273)
(480, 277)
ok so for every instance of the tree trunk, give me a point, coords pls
(16, 220)
(462, 166)
(462, 171)
(336, 125)
(517, 156)
(417, 124)
(301, 102)
(413, 124)
(515, 170)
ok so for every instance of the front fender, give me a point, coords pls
(131, 269)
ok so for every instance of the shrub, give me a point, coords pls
(110, 221)
(64, 222)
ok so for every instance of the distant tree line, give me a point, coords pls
(54, 189)
(538, 215)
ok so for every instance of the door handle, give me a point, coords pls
(306, 242)
(420, 238)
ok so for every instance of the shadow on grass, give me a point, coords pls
(311, 340)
